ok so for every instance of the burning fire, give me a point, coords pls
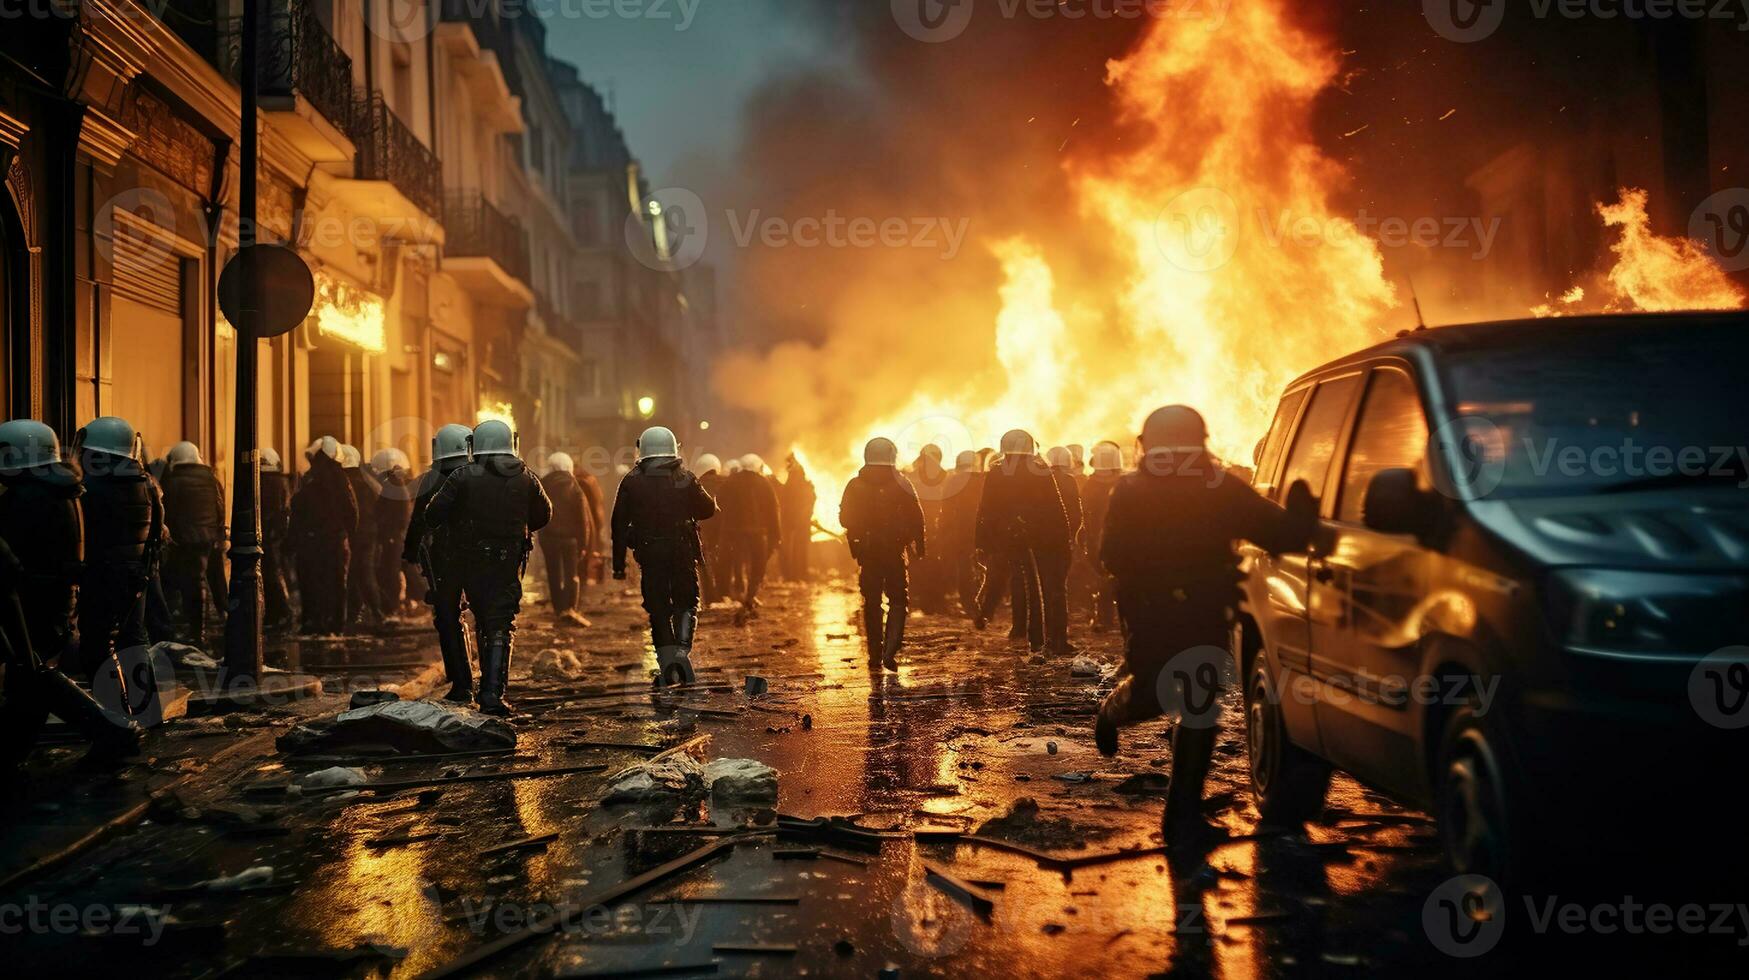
(1235, 273)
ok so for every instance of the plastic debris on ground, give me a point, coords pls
(1085, 666)
(404, 728)
(672, 779)
(331, 778)
(185, 656)
(256, 877)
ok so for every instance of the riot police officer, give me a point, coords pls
(752, 526)
(194, 510)
(431, 549)
(1023, 530)
(565, 539)
(1056, 567)
(493, 506)
(713, 570)
(324, 515)
(393, 509)
(362, 607)
(40, 519)
(276, 494)
(123, 525)
(656, 515)
(33, 690)
(884, 523)
(1168, 542)
(1107, 470)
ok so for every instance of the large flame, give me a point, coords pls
(1234, 275)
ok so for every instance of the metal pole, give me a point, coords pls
(243, 640)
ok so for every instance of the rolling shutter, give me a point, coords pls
(147, 270)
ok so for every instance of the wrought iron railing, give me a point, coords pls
(475, 228)
(388, 150)
(298, 57)
(198, 23)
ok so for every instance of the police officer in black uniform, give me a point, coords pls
(41, 519)
(324, 516)
(883, 520)
(194, 509)
(431, 549)
(124, 524)
(1023, 534)
(656, 515)
(493, 506)
(1168, 543)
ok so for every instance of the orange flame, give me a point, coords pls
(1656, 274)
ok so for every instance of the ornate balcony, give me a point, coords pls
(306, 77)
(390, 154)
(486, 251)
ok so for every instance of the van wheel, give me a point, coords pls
(1473, 800)
(1287, 782)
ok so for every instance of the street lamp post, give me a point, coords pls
(243, 640)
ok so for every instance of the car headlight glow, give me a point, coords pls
(1633, 613)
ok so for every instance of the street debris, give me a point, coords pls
(962, 890)
(526, 844)
(364, 699)
(1024, 823)
(556, 665)
(254, 877)
(1085, 666)
(757, 685)
(184, 656)
(401, 728)
(333, 778)
(741, 781)
(676, 778)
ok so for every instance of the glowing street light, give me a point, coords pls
(647, 406)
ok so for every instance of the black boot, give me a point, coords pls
(495, 648)
(895, 638)
(114, 736)
(454, 645)
(874, 630)
(685, 628)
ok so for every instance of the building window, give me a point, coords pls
(589, 378)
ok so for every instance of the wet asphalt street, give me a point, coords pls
(971, 730)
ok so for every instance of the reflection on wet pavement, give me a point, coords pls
(969, 727)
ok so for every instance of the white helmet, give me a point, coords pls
(966, 462)
(1108, 456)
(110, 436)
(752, 462)
(270, 460)
(350, 457)
(708, 463)
(1018, 443)
(26, 442)
(389, 460)
(326, 446)
(732, 467)
(493, 438)
(881, 452)
(451, 442)
(1060, 458)
(657, 442)
(560, 463)
(183, 452)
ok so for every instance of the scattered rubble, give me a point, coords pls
(332, 778)
(184, 656)
(677, 778)
(1085, 666)
(556, 665)
(252, 878)
(401, 728)
(741, 781)
(1024, 823)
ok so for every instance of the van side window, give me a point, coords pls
(1315, 446)
(1392, 434)
(1269, 458)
